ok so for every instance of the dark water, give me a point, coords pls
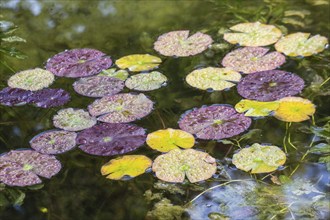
(121, 28)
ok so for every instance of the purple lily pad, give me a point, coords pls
(14, 96)
(214, 122)
(47, 98)
(22, 167)
(270, 85)
(121, 108)
(253, 59)
(78, 63)
(98, 86)
(111, 139)
(54, 141)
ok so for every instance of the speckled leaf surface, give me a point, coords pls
(176, 164)
(138, 62)
(14, 97)
(179, 43)
(253, 59)
(47, 98)
(259, 158)
(256, 108)
(214, 122)
(70, 119)
(213, 78)
(78, 63)
(112, 72)
(121, 108)
(270, 85)
(111, 139)
(146, 81)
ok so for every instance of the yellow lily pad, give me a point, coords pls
(169, 139)
(259, 158)
(299, 44)
(213, 78)
(253, 34)
(255, 108)
(130, 165)
(294, 109)
(138, 62)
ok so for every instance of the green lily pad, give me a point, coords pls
(255, 108)
(253, 34)
(299, 44)
(34, 79)
(146, 81)
(138, 62)
(112, 72)
(176, 164)
(213, 78)
(259, 158)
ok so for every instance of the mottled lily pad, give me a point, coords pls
(118, 74)
(256, 108)
(111, 139)
(169, 139)
(22, 167)
(70, 119)
(138, 62)
(146, 81)
(259, 158)
(14, 97)
(214, 122)
(179, 43)
(253, 59)
(131, 165)
(299, 44)
(121, 108)
(32, 80)
(176, 164)
(270, 85)
(54, 141)
(253, 34)
(47, 98)
(78, 63)
(213, 78)
(98, 86)
(294, 109)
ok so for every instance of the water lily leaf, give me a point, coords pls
(270, 85)
(14, 97)
(47, 98)
(213, 78)
(78, 63)
(253, 34)
(70, 119)
(111, 139)
(176, 164)
(54, 141)
(32, 80)
(118, 74)
(299, 44)
(131, 165)
(169, 139)
(294, 109)
(259, 158)
(178, 43)
(146, 81)
(138, 62)
(253, 59)
(214, 122)
(121, 108)
(22, 167)
(98, 86)
(255, 108)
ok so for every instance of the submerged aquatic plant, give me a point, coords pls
(138, 62)
(213, 78)
(111, 139)
(256, 108)
(270, 85)
(22, 167)
(214, 122)
(78, 63)
(180, 44)
(253, 59)
(146, 81)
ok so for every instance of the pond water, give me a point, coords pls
(120, 28)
